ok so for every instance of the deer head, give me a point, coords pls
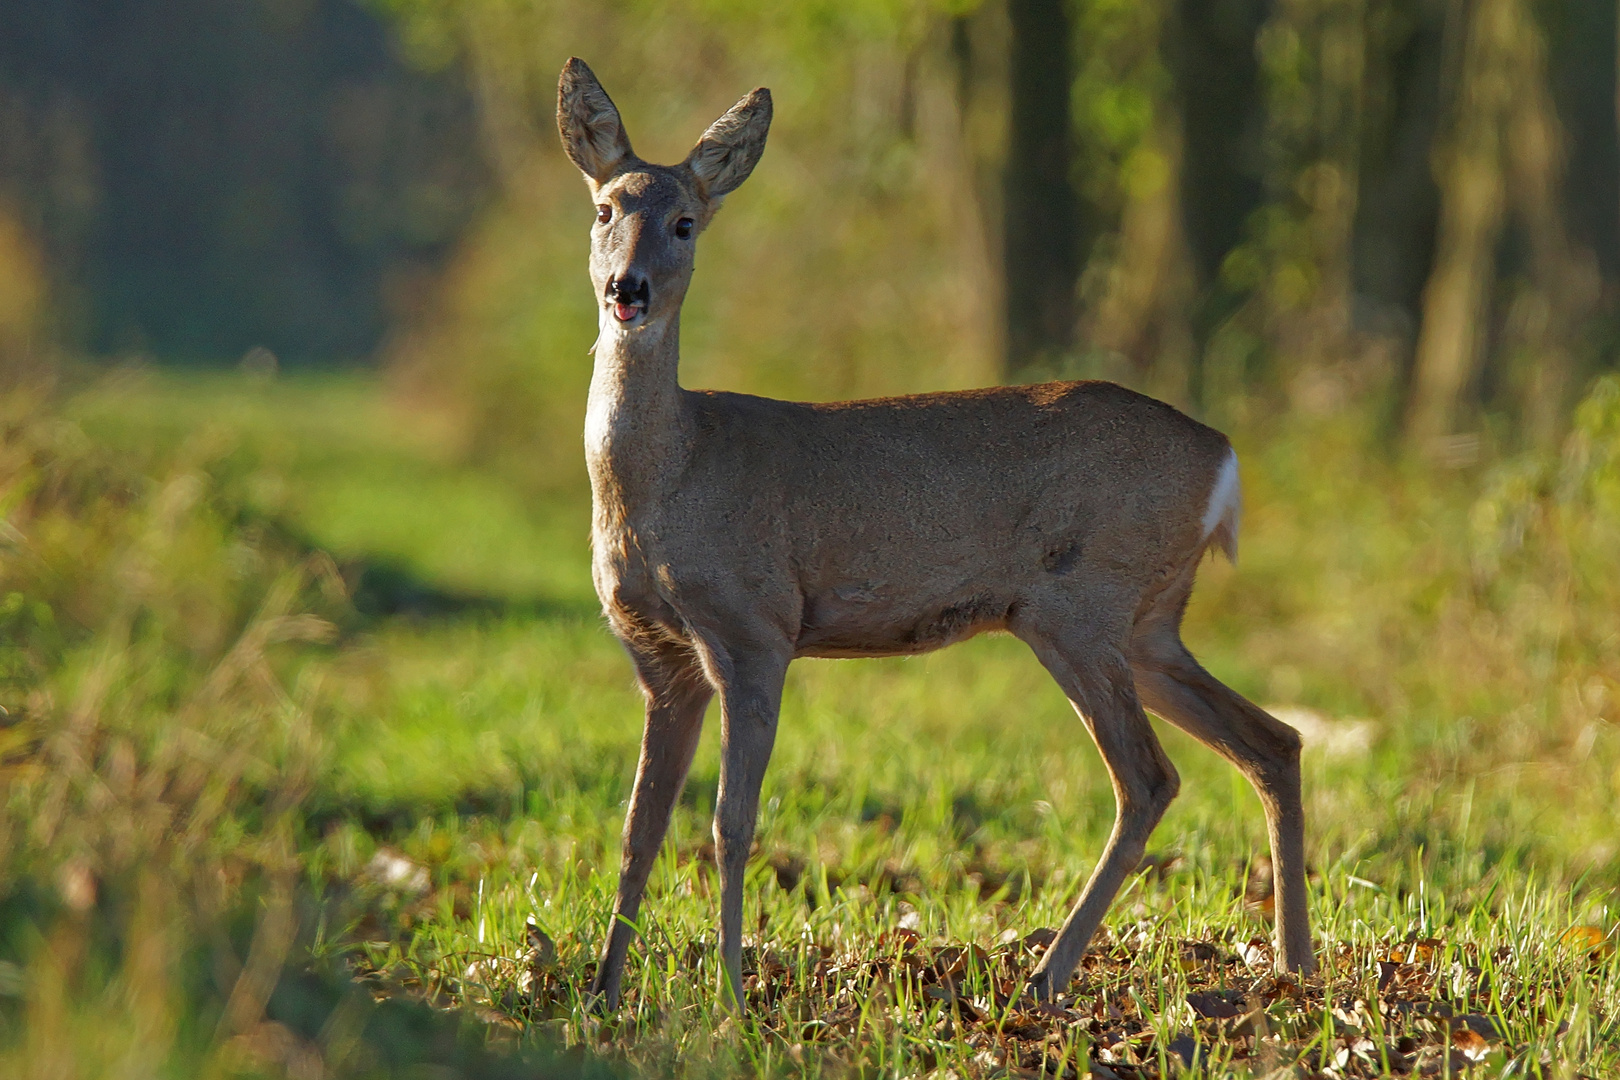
(648, 217)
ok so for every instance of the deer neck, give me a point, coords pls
(634, 439)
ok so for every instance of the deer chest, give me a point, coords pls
(635, 593)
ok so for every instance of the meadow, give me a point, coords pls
(317, 750)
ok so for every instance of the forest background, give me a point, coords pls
(276, 273)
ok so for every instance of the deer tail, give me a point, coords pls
(1225, 509)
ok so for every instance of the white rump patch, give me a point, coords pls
(1225, 509)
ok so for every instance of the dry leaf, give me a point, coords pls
(1213, 1005)
(1039, 939)
(1470, 1043)
(1419, 951)
(1256, 952)
(1588, 938)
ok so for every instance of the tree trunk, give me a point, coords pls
(1469, 172)
(1582, 39)
(1211, 54)
(1398, 208)
(1564, 282)
(1041, 231)
(1507, 153)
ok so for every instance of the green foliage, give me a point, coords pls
(1590, 477)
(1121, 87)
(153, 749)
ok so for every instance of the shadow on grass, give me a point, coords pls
(384, 587)
(402, 1037)
(528, 795)
(381, 588)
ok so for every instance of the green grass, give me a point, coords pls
(954, 795)
(334, 458)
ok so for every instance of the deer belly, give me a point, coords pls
(862, 620)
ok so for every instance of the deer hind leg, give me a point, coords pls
(750, 700)
(1097, 679)
(1176, 687)
(677, 693)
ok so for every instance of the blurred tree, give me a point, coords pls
(207, 176)
(1296, 264)
(1582, 40)
(1042, 231)
(22, 286)
(1211, 54)
(1503, 153)
(1398, 205)
(1239, 205)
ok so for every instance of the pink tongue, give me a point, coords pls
(625, 312)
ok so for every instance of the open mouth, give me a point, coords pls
(629, 304)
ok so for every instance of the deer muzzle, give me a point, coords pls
(629, 294)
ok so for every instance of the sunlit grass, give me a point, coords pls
(336, 459)
(468, 767)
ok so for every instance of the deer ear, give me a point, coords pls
(592, 133)
(730, 149)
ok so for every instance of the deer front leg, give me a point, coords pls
(1098, 683)
(676, 698)
(750, 700)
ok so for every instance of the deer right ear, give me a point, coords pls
(730, 149)
(592, 133)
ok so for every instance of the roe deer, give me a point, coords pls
(731, 534)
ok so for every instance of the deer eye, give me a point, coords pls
(604, 214)
(683, 227)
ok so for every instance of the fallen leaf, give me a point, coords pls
(902, 939)
(1256, 952)
(1470, 1043)
(1587, 938)
(1158, 864)
(1251, 1023)
(1418, 951)
(1040, 939)
(1213, 1005)
(789, 869)
(948, 995)
(1481, 1025)
(1201, 951)
(1184, 1047)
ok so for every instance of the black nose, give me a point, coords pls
(629, 289)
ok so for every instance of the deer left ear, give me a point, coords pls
(588, 121)
(730, 149)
